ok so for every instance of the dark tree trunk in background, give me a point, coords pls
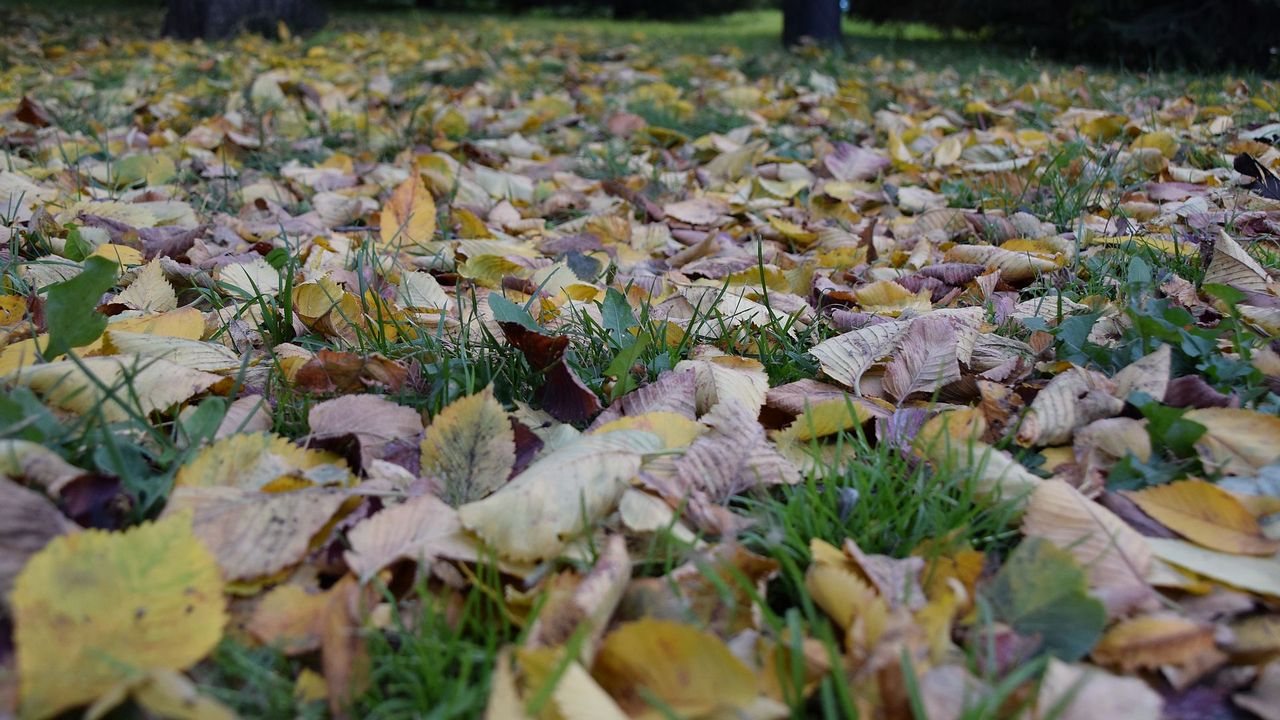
(818, 20)
(214, 19)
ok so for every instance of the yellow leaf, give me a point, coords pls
(1161, 140)
(691, 671)
(193, 354)
(1254, 574)
(120, 254)
(138, 385)
(889, 298)
(471, 447)
(94, 608)
(409, 217)
(1014, 267)
(839, 589)
(825, 418)
(1236, 441)
(285, 619)
(168, 694)
(249, 461)
(676, 430)
(541, 509)
(1150, 641)
(1207, 515)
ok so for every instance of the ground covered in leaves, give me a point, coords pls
(458, 370)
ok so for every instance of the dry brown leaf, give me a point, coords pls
(846, 358)
(1070, 401)
(1231, 265)
(1081, 692)
(256, 534)
(925, 360)
(421, 529)
(589, 600)
(1151, 641)
(287, 618)
(1114, 555)
(373, 419)
(28, 521)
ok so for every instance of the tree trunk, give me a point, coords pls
(215, 19)
(818, 20)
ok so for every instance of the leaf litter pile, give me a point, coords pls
(454, 372)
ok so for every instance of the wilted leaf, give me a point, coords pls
(374, 420)
(409, 217)
(1253, 574)
(120, 387)
(249, 461)
(846, 358)
(1080, 692)
(255, 534)
(1237, 442)
(93, 608)
(28, 521)
(1070, 401)
(1151, 641)
(925, 360)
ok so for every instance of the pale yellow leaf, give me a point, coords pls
(149, 291)
(93, 608)
(470, 446)
(541, 509)
(421, 529)
(409, 217)
(1237, 441)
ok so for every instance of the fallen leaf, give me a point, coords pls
(691, 671)
(28, 521)
(255, 534)
(421, 529)
(1115, 556)
(1080, 692)
(1236, 442)
(538, 512)
(93, 608)
(470, 446)
(1152, 641)
(1252, 574)
(1041, 591)
(1207, 515)
(409, 217)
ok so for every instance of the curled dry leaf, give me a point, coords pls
(38, 465)
(538, 512)
(589, 600)
(925, 360)
(1231, 265)
(846, 358)
(1070, 401)
(721, 377)
(1149, 374)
